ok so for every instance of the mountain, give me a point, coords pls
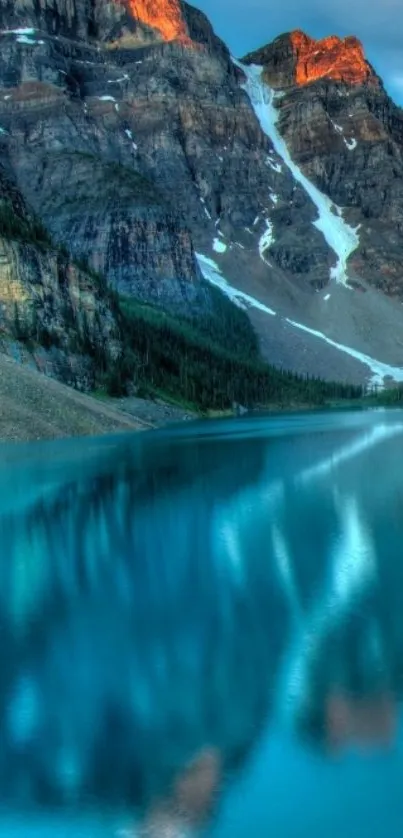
(154, 159)
(343, 129)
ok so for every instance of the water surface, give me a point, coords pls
(202, 628)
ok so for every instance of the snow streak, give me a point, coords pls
(212, 273)
(379, 370)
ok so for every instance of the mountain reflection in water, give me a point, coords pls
(202, 631)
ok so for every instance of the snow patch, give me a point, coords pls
(341, 238)
(274, 198)
(23, 31)
(130, 136)
(212, 273)
(273, 165)
(327, 297)
(266, 241)
(205, 208)
(24, 39)
(379, 370)
(106, 98)
(351, 144)
(219, 246)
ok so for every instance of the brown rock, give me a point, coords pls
(296, 59)
(165, 16)
(341, 59)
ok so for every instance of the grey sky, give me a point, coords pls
(247, 24)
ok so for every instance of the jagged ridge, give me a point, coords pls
(297, 59)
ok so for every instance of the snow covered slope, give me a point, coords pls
(341, 238)
(212, 273)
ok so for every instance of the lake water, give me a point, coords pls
(202, 631)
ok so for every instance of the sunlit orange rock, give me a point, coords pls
(340, 59)
(165, 16)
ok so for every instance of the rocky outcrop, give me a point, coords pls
(333, 58)
(53, 314)
(71, 18)
(295, 58)
(165, 17)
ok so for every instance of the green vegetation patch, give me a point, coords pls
(180, 360)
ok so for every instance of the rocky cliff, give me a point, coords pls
(296, 59)
(54, 315)
(170, 117)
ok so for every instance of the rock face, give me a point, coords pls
(117, 219)
(332, 58)
(133, 146)
(295, 58)
(53, 315)
(72, 18)
(166, 18)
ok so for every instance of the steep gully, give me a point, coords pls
(340, 237)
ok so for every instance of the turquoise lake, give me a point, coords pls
(202, 631)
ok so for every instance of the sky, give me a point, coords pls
(247, 24)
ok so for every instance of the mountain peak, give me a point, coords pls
(297, 59)
(164, 16)
(340, 59)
